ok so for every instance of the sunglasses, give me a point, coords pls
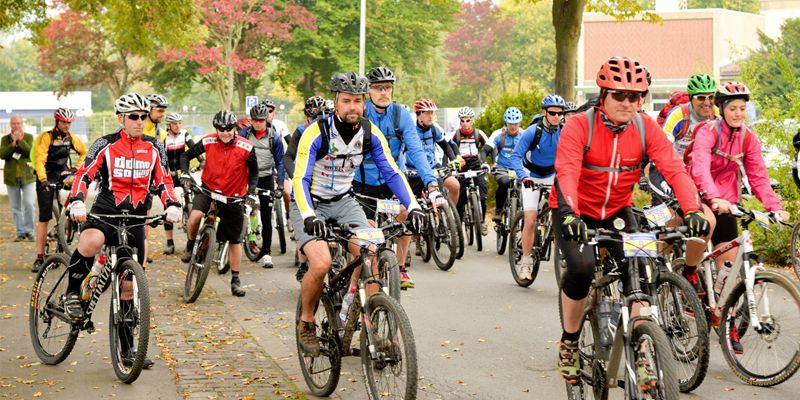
(258, 120)
(227, 128)
(633, 97)
(381, 88)
(703, 98)
(555, 113)
(136, 117)
(466, 121)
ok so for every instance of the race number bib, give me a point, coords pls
(388, 206)
(762, 219)
(640, 244)
(219, 197)
(658, 215)
(470, 174)
(367, 236)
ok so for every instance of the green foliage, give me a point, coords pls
(20, 71)
(622, 9)
(529, 102)
(750, 6)
(18, 13)
(532, 38)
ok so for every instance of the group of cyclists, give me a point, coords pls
(361, 142)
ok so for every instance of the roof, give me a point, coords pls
(22, 101)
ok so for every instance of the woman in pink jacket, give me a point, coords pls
(720, 156)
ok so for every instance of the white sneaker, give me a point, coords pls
(526, 268)
(266, 261)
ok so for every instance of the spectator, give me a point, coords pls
(19, 178)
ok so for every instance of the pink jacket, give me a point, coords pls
(717, 176)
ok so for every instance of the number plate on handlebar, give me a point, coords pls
(388, 206)
(367, 236)
(470, 174)
(658, 215)
(512, 174)
(219, 197)
(762, 219)
(640, 244)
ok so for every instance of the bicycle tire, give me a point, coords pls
(459, 229)
(331, 348)
(795, 249)
(424, 245)
(515, 249)
(477, 217)
(543, 233)
(402, 351)
(206, 246)
(222, 267)
(444, 227)
(251, 252)
(593, 369)
(746, 332)
(677, 324)
(277, 210)
(65, 228)
(389, 270)
(140, 321)
(502, 233)
(668, 386)
(37, 310)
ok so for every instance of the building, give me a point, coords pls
(37, 108)
(776, 12)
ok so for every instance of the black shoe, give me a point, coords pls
(73, 307)
(186, 256)
(20, 237)
(236, 288)
(170, 249)
(301, 272)
(29, 237)
(149, 260)
(37, 265)
(127, 360)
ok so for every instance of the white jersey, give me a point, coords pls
(281, 128)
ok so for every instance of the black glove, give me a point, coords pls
(44, 185)
(644, 184)
(573, 228)
(528, 183)
(697, 223)
(417, 218)
(314, 226)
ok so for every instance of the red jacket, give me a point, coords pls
(601, 194)
(230, 168)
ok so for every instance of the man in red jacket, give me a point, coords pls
(231, 170)
(593, 187)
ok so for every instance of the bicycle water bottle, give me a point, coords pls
(346, 302)
(603, 320)
(722, 276)
(91, 279)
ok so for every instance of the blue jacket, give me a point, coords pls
(277, 151)
(413, 154)
(504, 155)
(526, 160)
(429, 138)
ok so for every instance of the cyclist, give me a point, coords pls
(533, 160)
(570, 109)
(406, 148)
(159, 106)
(503, 146)
(269, 154)
(175, 140)
(52, 164)
(128, 163)
(328, 155)
(593, 187)
(682, 120)
(231, 170)
(470, 142)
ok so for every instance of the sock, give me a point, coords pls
(234, 276)
(570, 336)
(170, 242)
(79, 267)
(189, 245)
(40, 256)
(689, 269)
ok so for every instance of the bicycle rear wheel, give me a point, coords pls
(67, 229)
(129, 321)
(768, 355)
(442, 236)
(477, 214)
(321, 372)
(202, 258)
(392, 373)
(649, 339)
(277, 211)
(52, 334)
(252, 241)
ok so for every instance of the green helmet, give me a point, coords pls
(701, 83)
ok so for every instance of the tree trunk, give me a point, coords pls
(308, 84)
(479, 95)
(241, 91)
(567, 20)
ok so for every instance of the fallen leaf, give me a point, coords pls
(37, 394)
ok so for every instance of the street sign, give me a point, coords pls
(250, 101)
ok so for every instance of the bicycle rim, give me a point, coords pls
(280, 225)
(252, 241)
(649, 340)
(442, 235)
(53, 338)
(129, 331)
(321, 373)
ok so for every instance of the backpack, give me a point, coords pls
(536, 138)
(366, 145)
(736, 158)
(638, 122)
(536, 119)
(676, 98)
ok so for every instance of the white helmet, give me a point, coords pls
(466, 112)
(131, 102)
(173, 117)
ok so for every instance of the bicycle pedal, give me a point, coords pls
(88, 326)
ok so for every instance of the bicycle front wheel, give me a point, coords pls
(476, 220)
(252, 241)
(321, 372)
(443, 237)
(459, 229)
(652, 347)
(67, 230)
(202, 258)
(52, 334)
(515, 250)
(795, 249)
(391, 372)
(129, 320)
(769, 354)
(280, 224)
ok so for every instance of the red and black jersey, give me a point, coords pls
(127, 166)
(231, 168)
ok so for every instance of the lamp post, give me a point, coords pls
(362, 37)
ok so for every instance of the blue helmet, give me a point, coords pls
(553, 100)
(512, 115)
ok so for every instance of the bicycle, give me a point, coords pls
(639, 341)
(754, 309)
(387, 348)
(440, 231)
(252, 240)
(47, 317)
(473, 213)
(511, 207)
(62, 231)
(186, 209)
(542, 245)
(795, 249)
(207, 252)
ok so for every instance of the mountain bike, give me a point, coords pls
(53, 333)
(473, 213)
(252, 240)
(510, 209)
(543, 241)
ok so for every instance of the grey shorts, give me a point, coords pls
(345, 211)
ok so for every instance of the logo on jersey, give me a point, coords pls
(130, 168)
(244, 145)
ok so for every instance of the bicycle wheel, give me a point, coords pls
(424, 246)
(51, 332)
(129, 321)
(222, 260)
(459, 229)
(252, 241)
(468, 224)
(392, 373)
(515, 249)
(684, 322)
(795, 249)
(540, 243)
(321, 372)
(389, 270)
(559, 263)
(476, 218)
(502, 234)
(66, 228)
(593, 368)
(443, 237)
(202, 258)
(277, 211)
(768, 355)
(649, 340)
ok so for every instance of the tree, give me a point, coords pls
(18, 13)
(750, 6)
(19, 71)
(237, 29)
(534, 53)
(475, 49)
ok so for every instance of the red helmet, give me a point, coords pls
(64, 114)
(424, 105)
(622, 73)
(732, 90)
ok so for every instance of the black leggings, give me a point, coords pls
(503, 183)
(480, 182)
(581, 262)
(268, 183)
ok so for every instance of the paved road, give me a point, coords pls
(478, 335)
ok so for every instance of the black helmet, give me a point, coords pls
(259, 111)
(380, 74)
(349, 82)
(313, 106)
(796, 141)
(224, 121)
(268, 103)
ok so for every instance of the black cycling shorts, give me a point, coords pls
(416, 186)
(45, 200)
(725, 230)
(369, 205)
(231, 218)
(135, 235)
